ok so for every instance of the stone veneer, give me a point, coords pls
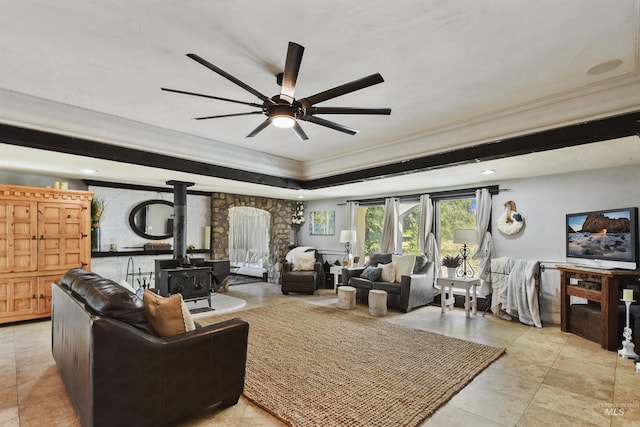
(279, 230)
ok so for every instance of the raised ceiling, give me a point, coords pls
(457, 74)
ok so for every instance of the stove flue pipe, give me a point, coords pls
(180, 219)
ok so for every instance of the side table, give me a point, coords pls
(336, 270)
(467, 283)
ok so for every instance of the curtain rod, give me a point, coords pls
(493, 189)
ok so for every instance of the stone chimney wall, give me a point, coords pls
(279, 230)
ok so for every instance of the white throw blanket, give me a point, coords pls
(516, 291)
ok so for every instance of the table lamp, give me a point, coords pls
(347, 237)
(464, 237)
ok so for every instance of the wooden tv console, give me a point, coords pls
(608, 296)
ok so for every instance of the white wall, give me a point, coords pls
(543, 201)
(115, 228)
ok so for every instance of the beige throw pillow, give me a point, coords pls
(388, 273)
(304, 261)
(403, 265)
(167, 316)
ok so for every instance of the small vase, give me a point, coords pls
(95, 237)
(451, 272)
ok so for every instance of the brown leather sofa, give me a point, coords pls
(118, 373)
(414, 290)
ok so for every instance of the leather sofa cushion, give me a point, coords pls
(360, 283)
(106, 298)
(391, 288)
(300, 276)
(420, 264)
(78, 281)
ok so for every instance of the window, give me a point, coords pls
(452, 214)
(409, 223)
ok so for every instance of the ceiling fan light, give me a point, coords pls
(283, 121)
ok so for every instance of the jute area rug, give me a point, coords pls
(320, 366)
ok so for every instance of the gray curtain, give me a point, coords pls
(427, 243)
(484, 248)
(249, 237)
(352, 224)
(389, 238)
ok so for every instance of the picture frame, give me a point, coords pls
(322, 223)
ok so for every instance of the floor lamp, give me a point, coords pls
(464, 237)
(347, 237)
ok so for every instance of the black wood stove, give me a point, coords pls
(194, 283)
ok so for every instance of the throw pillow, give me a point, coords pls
(403, 265)
(388, 273)
(371, 273)
(304, 264)
(167, 316)
(304, 261)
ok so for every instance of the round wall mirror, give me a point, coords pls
(152, 219)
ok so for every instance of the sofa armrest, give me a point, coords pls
(287, 267)
(348, 273)
(178, 374)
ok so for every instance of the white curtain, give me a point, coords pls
(484, 248)
(426, 240)
(352, 224)
(389, 238)
(249, 237)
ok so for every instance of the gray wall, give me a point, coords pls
(543, 201)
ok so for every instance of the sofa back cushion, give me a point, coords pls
(378, 258)
(109, 299)
(420, 266)
(105, 297)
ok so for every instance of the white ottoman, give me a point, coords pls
(377, 302)
(346, 297)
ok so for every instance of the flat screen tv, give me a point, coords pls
(603, 239)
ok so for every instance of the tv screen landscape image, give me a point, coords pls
(606, 235)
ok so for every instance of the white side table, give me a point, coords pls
(467, 284)
(336, 270)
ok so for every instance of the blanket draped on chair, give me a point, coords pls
(515, 285)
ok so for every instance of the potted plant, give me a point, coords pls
(451, 262)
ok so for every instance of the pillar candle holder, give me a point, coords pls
(628, 348)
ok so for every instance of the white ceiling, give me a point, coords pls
(457, 74)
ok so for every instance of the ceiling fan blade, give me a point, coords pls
(291, 69)
(227, 115)
(298, 130)
(259, 129)
(362, 83)
(329, 124)
(348, 110)
(253, 104)
(229, 77)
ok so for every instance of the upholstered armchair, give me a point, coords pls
(302, 271)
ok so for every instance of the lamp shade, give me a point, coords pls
(348, 236)
(465, 236)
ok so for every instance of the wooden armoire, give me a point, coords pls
(43, 233)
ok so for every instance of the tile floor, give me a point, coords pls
(546, 377)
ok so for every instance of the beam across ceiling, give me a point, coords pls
(568, 136)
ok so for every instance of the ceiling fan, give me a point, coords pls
(283, 110)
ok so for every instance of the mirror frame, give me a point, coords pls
(136, 229)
